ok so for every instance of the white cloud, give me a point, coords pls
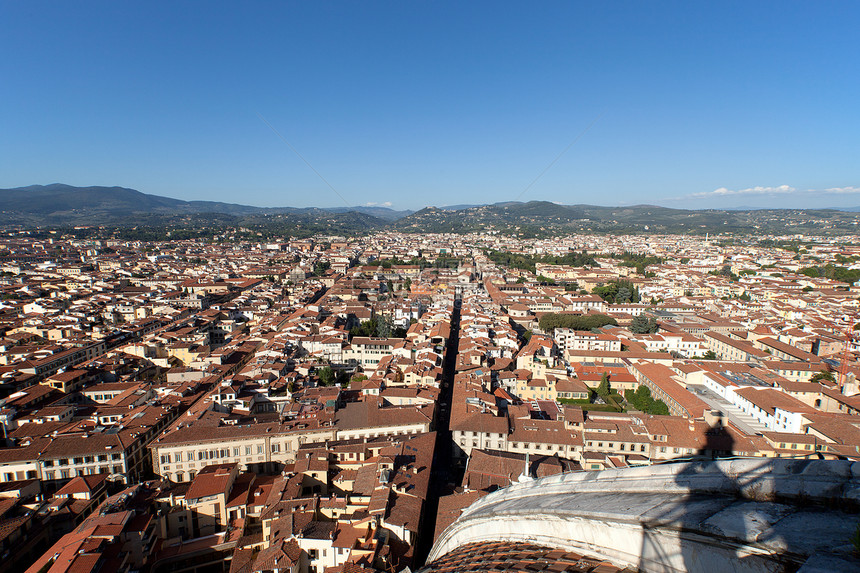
(842, 190)
(723, 192)
(779, 190)
(375, 204)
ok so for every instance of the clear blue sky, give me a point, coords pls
(436, 103)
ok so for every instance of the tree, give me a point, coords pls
(822, 376)
(343, 379)
(321, 267)
(617, 292)
(551, 321)
(710, 355)
(384, 326)
(603, 388)
(643, 325)
(326, 376)
(642, 400)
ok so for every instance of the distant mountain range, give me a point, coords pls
(65, 205)
(60, 201)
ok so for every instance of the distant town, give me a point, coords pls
(331, 403)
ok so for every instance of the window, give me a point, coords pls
(259, 448)
(247, 450)
(189, 456)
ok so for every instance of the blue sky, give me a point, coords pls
(407, 104)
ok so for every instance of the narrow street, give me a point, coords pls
(445, 476)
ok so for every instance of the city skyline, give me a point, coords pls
(691, 107)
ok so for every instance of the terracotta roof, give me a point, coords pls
(513, 556)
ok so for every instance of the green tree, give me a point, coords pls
(384, 326)
(822, 376)
(326, 376)
(603, 388)
(343, 379)
(709, 355)
(642, 400)
(643, 325)
(321, 267)
(551, 321)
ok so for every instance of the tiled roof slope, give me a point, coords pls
(509, 556)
